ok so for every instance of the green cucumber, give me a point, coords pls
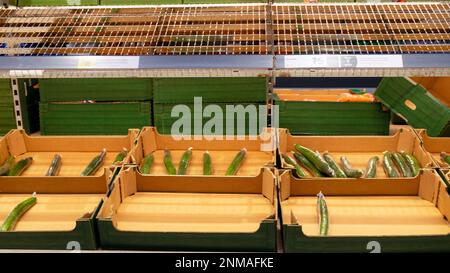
(146, 164)
(4, 169)
(315, 159)
(55, 166)
(401, 164)
(371, 171)
(445, 158)
(388, 165)
(322, 211)
(184, 161)
(207, 164)
(94, 165)
(339, 173)
(412, 162)
(18, 211)
(298, 171)
(121, 156)
(349, 171)
(303, 161)
(20, 166)
(168, 163)
(237, 162)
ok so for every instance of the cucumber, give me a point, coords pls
(146, 164)
(412, 162)
(315, 159)
(401, 164)
(445, 158)
(207, 164)
(388, 165)
(94, 165)
(55, 166)
(237, 162)
(15, 215)
(349, 171)
(4, 169)
(339, 173)
(184, 161)
(322, 212)
(371, 171)
(298, 171)
(121, 156)
(303, 161)
(20, 166)
(168, 163)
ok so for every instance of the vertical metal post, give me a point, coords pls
(16, 100)
(271, 76)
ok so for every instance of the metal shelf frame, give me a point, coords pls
(226, 40)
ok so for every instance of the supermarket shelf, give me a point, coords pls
(237, 40)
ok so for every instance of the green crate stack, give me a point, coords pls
(414, 103)
(249, 93)
(332, 118)
(28, 3)
(94, 106)
(29, 97)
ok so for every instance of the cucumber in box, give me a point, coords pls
(320, 112)
(126, 89)
(25, 3)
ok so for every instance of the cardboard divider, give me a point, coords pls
(358, 150)
(76, 151)
(260, 152)
(376, 214)
(434, 146)
(200, 204)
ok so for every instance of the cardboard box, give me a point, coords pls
(63, 216)
(199, 213)
(387, 217)
(358, 150)
(434, 146)
(76, 152)
(317, 112)
(260, 152)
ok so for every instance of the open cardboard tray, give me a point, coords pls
(398, 219)
(358, 150)
(63, 215)
(260, 152)
(189, 213)
(434, 146)
(76, 152)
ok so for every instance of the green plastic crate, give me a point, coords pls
(5, 91)
(67, 90)
(413, 102)
(139, 2)
(332, 118)
(183, 90)
(29, 98)
(163, 120)
(93, 118)
(25, 3)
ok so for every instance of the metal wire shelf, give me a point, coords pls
(247, 38)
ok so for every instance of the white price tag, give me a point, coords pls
(104, 62)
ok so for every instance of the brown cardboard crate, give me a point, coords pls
(358, 150)
(190, 213)
(399, 219)
(434, 146)
(64, 212)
